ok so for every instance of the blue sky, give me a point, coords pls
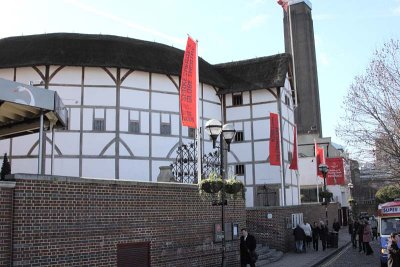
(346, 31)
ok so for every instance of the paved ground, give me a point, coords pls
(314, 258)
(350, 256)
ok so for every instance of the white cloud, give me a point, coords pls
(323, 59)
(396, 11)
(254, 22)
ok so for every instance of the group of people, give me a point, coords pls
(305, 234)
(362, 229)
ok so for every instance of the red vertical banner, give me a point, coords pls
(335, 174)
(320, 156)
(274, 143)
(294, 163)
(188, 88)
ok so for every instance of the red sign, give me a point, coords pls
(293, 163)
(274, 147)
(188, 89)
(336, 171)
(320, 156)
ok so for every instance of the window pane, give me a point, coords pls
(98, 125)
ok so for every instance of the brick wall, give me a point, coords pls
(6, 191)
(275, 232)
(61, 221)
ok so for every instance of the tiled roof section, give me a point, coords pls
(72, 49)
(257, 73)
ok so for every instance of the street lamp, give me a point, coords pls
(351, 200)
(324, 169)
(214, 129)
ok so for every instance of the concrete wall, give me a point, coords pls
(65, 221)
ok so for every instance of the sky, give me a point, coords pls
(346, 32)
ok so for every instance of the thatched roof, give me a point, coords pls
(71, 49)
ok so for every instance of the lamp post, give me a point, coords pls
(350, 186)
(214, 129)
(324, 169)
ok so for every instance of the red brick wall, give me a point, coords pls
(79, 222)
(275, 232)
(6, 191)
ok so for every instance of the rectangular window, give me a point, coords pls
(165, 128)
(134, 127)
(98, 125)
(290, 156)
(237, 99)
(192, 132)
(239, 136)
(239, 169)
(287, 100)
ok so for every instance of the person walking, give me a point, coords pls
(367, 236)
(356, 225)
(323, 234)
(393, 251)
(374, 227)
(248, 246)
(315, 236)
(299, 237)
(335, 225)
(361, 246)
(308, 232)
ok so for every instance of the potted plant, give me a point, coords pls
(233, 185)
(212, 184)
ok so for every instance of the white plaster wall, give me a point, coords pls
(264, 110)
(110, 119)
(98, 76)
(155, 123)
(74, 119)
(162, 145)
(137, 79)
(259, 96)
(266, 174)
(237, 113)
(123, 120)
(70, 95)
(4, 147)
(98, 168)
(68, 143)
(134, 98)
(22, 144)
(25, 165)
(165, 102)
(212, 111)
(88, 119)
(228, 100)
(249, 174)
(138, 144)
(161, 82)
(67, 75)
(99, 96)
(242, 151)
(261, 150)
(134, 170)
(246, 98)
(209, 93)
(261, 129)
(249, 196)
(93, 143)
(7, 74)
(308, 171)
(28, 74)
(144, 122)
(175, 123)
(64, 166)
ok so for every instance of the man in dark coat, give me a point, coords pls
(315, 235)
(354, 234)
(323, 234)
(299, 237)
(248, 246)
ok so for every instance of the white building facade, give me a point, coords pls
(122, 97)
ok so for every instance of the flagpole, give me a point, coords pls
(198, 130)
(282, 165)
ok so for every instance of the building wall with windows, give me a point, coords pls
(124, 110)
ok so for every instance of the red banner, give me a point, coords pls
(336, 171)
(188, 89)
(320, 156)
(274, 147)
(293, 164)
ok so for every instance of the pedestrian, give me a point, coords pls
(248, 246)
(361, 246)
(315, 235)
(323, 234)
(374, 227)
(393, 251)
(299, 237)
(308, 232)
(336, 225)
(355, 232)
(367, 236)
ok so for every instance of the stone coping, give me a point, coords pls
(7, 184)
(89, 180)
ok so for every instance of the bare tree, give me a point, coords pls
(371, 123)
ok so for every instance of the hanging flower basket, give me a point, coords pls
(212, 185)
(233, 187)
(326, 194)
